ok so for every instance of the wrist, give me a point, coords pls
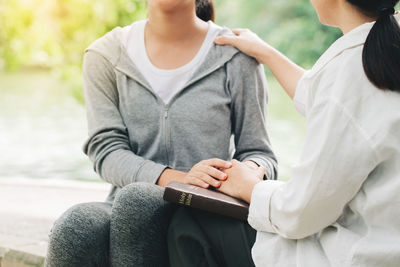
(170, 175)
(248, 190)
(264, 53)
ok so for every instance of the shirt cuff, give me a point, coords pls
(150, 172)
(260, 206)
(300, 95)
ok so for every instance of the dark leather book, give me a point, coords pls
(206, 199)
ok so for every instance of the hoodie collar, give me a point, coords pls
(110, 46)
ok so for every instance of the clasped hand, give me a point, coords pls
(233, 178)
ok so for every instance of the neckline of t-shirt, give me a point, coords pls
(167, 72)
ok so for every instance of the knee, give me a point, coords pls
(80, 236)
(142, 196)
(143, 204)
(81, 223)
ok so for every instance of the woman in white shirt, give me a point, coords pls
(341, 206)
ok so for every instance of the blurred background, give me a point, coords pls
(42, 116)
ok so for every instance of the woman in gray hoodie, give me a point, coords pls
(163, 104)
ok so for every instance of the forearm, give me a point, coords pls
(285, 71)
(122, 167)
(170, 175)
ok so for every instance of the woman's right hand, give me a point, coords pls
(248, 42)
(207, 172)
(285, 71)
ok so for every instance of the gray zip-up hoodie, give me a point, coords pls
(134, 136)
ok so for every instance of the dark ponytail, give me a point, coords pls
(381, 54)
(205, 9)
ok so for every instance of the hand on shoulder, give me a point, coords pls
(246, 41)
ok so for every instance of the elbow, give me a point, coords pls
(297, 226)
(294, 230)
(105, 167)
(97, 164)
(97, 167)
(99, 153)
(96, 156)
(104, 163)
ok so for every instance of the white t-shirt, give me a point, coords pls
(165, 83)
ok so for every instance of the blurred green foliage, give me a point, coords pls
(80, 22)
(54, 33)
(292, 26)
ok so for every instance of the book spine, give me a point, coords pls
(207, 204)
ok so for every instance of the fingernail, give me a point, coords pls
(217, 184)
(228, 164)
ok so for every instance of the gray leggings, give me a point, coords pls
(129, 232)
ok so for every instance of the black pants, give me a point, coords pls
(197, 238)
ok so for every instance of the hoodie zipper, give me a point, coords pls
(166, 107)
(166, 132)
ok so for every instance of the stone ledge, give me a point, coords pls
(15, 258)
(25, 242)
(31, 209)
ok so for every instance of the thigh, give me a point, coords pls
(197, 238)
(80, 237)
(139, 224)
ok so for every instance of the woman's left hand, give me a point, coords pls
(241, 180)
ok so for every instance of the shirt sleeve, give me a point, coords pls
(300, 95)
(248, 86)
(108, 144)
(336, 160)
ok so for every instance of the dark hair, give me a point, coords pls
(205, 9)
(381, 53)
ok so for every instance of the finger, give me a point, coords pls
(215, 173)
(238, 31)
(218, 163)
(225, 40)
(198, 182)
(208, 179)
(235, 162)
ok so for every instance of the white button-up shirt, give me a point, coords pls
(341, 206)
